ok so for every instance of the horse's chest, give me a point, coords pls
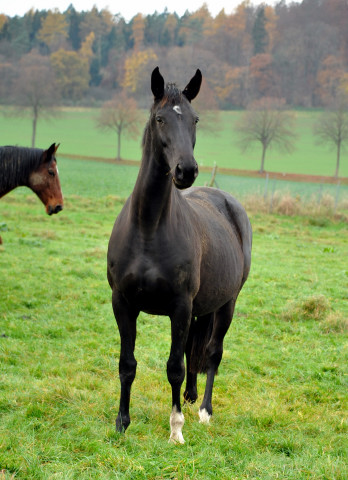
(153, 283)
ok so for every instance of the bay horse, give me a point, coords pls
(34, 168)
(181, 253)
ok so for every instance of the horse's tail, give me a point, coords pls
(200, 333)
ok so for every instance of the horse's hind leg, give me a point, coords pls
(190, 393)
(222, 321)
(126, 321)
(199, 336)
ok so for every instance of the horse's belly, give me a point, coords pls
(220, 280)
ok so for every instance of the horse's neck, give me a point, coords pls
(7, 186)
(13, 172)
(152, 195)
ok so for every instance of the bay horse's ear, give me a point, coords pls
(48, 154)
(157, 84)
(192, 88)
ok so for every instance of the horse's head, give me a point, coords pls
(44, 181)
(174, 122)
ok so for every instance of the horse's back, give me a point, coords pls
(235, 214)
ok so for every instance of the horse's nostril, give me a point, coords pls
(58, 208)
(179, 173)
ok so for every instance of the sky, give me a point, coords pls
(127, 9)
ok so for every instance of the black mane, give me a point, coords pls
(16, 164)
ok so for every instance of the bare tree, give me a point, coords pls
(266, 122)
(119, 115)
(36, 92)
(332, 128)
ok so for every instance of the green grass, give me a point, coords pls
(280, 403)
(76, 131)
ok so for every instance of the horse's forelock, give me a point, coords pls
(172, 95)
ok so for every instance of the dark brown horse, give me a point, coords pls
(181, 254)
(34, 168)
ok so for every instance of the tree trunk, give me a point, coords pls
(338, 159)
(33, 138)
(118, 145)
(264, 148)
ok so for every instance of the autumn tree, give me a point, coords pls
(271, 27)
(138, 28)
(36, 91)
(119, 115)
(72, 73)
(332, 128)
(235, 88)
(137, 69)
(329, 79)
(3, 21)
(267, 123)
(262, 76)
(54, 30)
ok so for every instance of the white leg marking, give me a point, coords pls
(176, 423)
(204, 416)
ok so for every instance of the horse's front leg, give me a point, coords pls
(180, 324)
(126, 317)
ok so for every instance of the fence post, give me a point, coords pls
(213, 176)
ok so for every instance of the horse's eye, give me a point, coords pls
(196, 120)
(159, 120)
(51, 172)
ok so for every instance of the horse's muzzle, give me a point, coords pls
(184, 176)
(51, 210)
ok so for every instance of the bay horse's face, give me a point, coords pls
(173, 122)
(44, 181)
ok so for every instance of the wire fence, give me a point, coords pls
(271, 192)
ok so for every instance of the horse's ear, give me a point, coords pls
(157, 84)
(192, 88)
(48, 154)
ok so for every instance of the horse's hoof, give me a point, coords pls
(176, 439)
(204, 416)
(122, 423)
(190, 398)
(176, 423)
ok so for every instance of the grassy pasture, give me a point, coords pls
(280, 403)
(75, 130)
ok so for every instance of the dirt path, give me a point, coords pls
(292, 177)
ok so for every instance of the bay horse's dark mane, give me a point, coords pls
(16, 164)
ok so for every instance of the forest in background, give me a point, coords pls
(297, 52)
